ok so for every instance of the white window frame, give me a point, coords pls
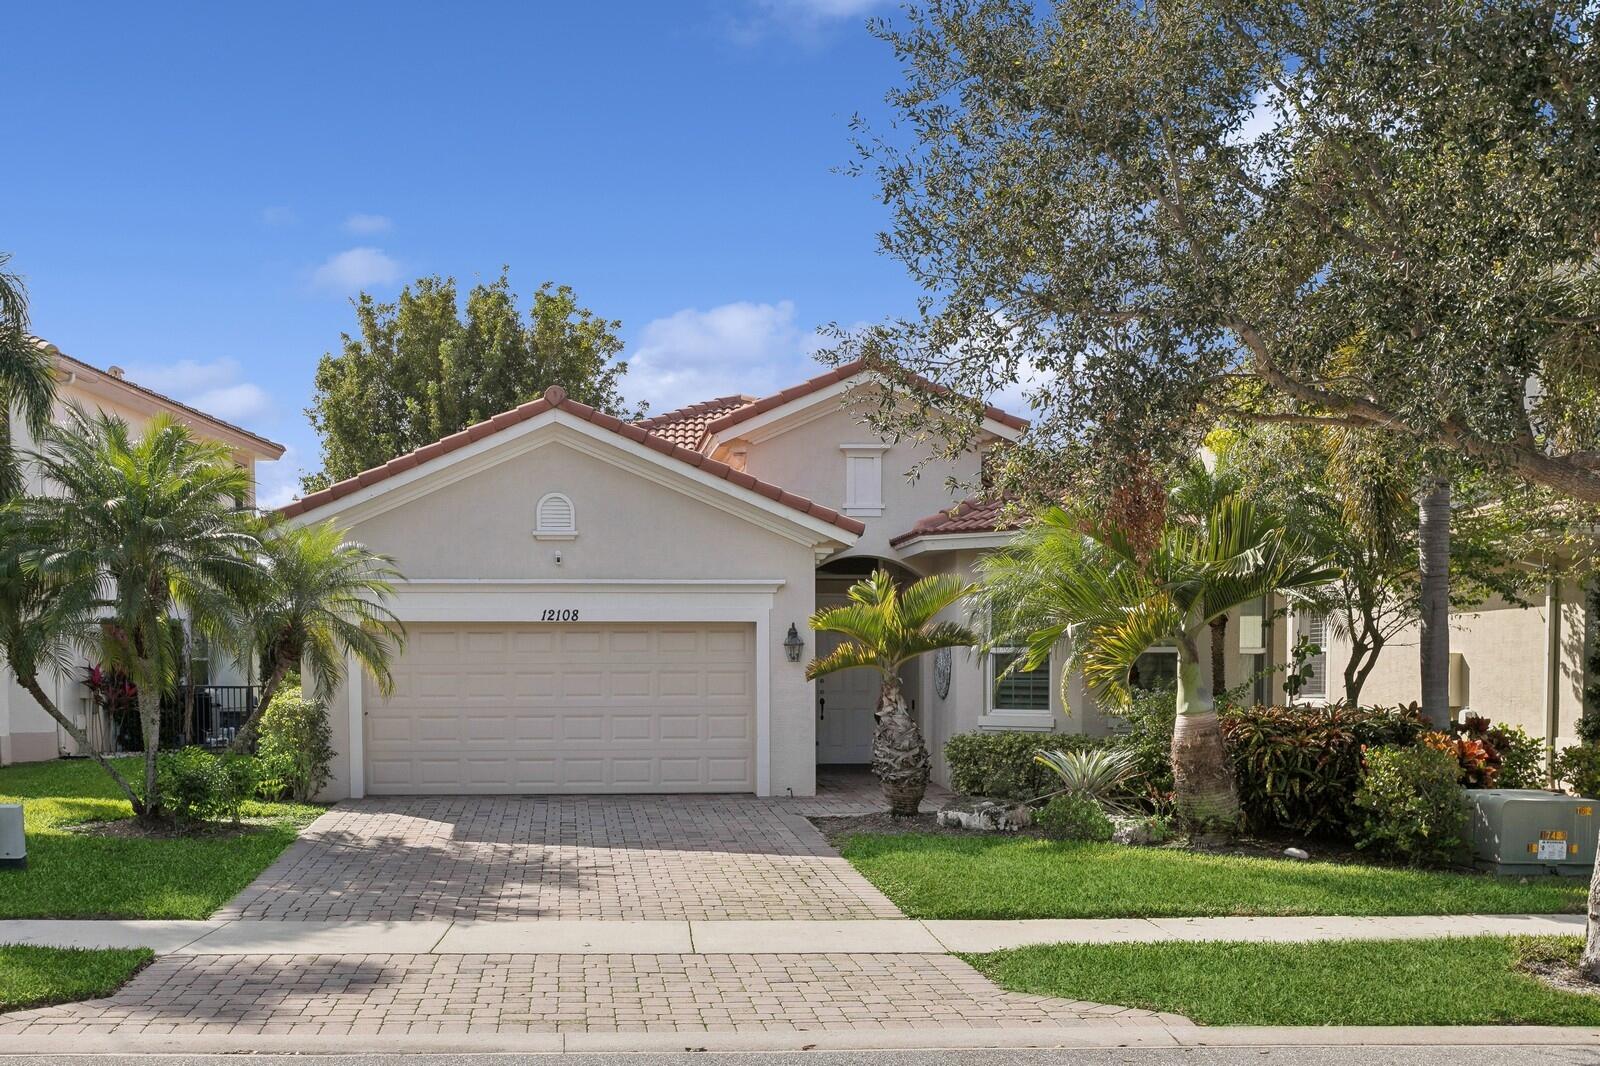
(1302, 628)
(544, 530)
(863, 479)
(998, 718)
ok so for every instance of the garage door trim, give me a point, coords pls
(622, 600)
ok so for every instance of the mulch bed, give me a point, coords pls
(1562, 976)
(133, 829)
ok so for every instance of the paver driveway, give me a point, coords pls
(566, 857)
(334, 995)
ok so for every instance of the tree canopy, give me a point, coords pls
(1161, 213)
(424, 367)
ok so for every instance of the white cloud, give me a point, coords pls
(215, 387)
(277, 483)
(355, 268)
(805, 18)
(694, 355)
(278, 216)
(368, 224)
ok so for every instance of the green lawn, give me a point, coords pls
(943, 876)
(75, 875)
(1466, 981)
(35, 977)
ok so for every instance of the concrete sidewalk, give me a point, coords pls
(864, 937)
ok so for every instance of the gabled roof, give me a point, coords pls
(271, 449)
(687, 425)
(822, 381)
(553, 398)
(974, 515)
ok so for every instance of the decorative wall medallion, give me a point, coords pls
(941, 672)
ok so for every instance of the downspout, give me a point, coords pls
(1552, 668)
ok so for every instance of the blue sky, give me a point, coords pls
(193, 191)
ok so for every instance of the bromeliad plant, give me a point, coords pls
(1075, 576)
(1099, 775)
(887, 627)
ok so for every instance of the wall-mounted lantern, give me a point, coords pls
(793, 645)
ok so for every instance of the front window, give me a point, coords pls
(1312, 652)
(1021, 689)
(1155, 669)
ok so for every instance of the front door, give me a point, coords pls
(845, 702)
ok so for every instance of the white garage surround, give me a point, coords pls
(562, 602)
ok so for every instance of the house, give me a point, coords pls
(26, 733)
(596, 606)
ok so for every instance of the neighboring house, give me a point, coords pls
(26, 732)
(598, 606)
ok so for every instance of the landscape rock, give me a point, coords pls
(1133, 831)
(1297, 853)
(987, 816)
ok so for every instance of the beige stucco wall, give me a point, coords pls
(806, 459)
(1505, 648)
(629, 527)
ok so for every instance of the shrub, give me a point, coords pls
(1579, 767)
(296, 745)
(1412, 803)
(1147, 736)
(198, 785)
(1477, 765)
(1074, 817)
(1001, 765)
(1521, 757)
(1298, 768)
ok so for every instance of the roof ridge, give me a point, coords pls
(840, 373)
(679, 414)
(556, 397)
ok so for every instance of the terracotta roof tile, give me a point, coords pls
(687, 425)
(973, 515)
(845, 370)
(555, 397)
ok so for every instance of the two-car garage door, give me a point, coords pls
(656, 707)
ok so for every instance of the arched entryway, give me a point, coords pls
(846, 701)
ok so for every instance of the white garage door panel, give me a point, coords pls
(566, 708)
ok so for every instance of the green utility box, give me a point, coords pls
(1530, 831)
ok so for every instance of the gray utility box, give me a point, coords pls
(13, 844)
(1530, 831)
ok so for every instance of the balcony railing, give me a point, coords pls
(207, 715)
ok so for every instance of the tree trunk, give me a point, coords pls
(1219, 649)
(247, 730)
(1202, 779)
(150, 726)
(42, 698)
(1433, 551)
(1589, 961)
(899, 755)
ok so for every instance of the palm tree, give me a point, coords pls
(888, 626)
(321, 600)
(42, 624)
(27, 377)
(152, 521)
(1069, 576)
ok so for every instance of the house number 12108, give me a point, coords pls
(568, 615)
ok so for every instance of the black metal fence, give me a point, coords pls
(207, 715)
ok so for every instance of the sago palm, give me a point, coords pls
(1068, 577)
(887, 627)
(320, 600)
(153, 520)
